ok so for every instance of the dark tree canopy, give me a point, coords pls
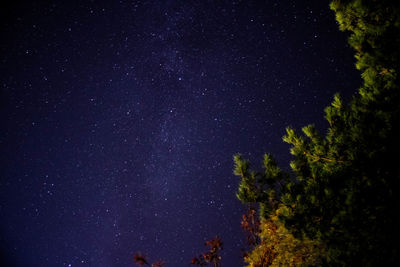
(344, 185)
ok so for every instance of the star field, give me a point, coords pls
(120, 119)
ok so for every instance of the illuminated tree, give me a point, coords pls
(278, 247)
(343, 189)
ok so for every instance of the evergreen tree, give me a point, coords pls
(344, 186)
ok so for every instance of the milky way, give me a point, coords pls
(120, 119)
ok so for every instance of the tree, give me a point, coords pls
(251, 226)
(344, 186)
(273, 245)
(278, 247)
(212, 255)
(141, 260)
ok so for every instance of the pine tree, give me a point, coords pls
(344, 186)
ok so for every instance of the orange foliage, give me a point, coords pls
(251, 225)
(212, 255)
(140, 259)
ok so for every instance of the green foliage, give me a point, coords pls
(259, 187)
(343, 187)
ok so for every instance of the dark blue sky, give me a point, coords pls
(119, 120)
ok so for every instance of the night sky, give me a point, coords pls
(119, 120)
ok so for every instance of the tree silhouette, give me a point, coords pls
(212, 255)
(141, 260)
